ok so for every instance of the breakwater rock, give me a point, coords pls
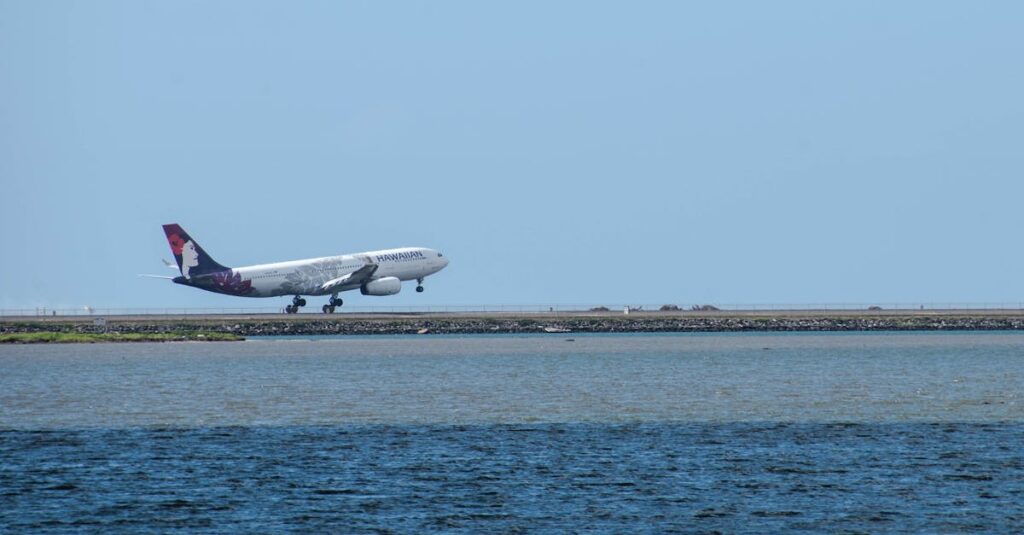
(363, 325)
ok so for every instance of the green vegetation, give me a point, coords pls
(51, 337)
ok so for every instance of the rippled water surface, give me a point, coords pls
(912, 432)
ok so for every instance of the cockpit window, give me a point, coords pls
(439, 255)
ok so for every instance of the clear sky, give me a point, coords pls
(557, 152)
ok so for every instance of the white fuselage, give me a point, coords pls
(308, 277)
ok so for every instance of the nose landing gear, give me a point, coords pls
(419, 285)
(297, 303)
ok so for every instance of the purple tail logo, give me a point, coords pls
(192, 259)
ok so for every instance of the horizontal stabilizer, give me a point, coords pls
(155, 276)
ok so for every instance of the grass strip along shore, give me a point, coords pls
(52, 337)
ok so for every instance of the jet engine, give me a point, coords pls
(382, 286)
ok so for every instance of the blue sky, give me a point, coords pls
(557, 152)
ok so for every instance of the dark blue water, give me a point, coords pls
(509, 478)
(912, 433)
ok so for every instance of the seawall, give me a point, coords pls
(444, 323)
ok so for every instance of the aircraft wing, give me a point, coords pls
(351, 280)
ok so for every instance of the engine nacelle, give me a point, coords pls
(382, 286)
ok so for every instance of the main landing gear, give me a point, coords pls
(297, 303)
(334, 302)
(419, 285)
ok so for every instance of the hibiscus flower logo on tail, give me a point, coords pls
(176, 243)
(192, 259)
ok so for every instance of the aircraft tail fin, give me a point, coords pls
(192, 259)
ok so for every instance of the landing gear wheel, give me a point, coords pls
(290, 309)
(331, 303)
(298, 302)
(419, 289)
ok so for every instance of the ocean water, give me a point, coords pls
(734, 433)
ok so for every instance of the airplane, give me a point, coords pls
(372, 272)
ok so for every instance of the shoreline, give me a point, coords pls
(208, 327)
(74, 337)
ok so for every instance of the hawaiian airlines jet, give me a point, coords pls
(374, 272)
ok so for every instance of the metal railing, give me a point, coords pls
(508, 309)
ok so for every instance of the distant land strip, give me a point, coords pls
(446, 323)
(76, 337)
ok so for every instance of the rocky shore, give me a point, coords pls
(454, 324)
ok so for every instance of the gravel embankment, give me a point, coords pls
(577, 324)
